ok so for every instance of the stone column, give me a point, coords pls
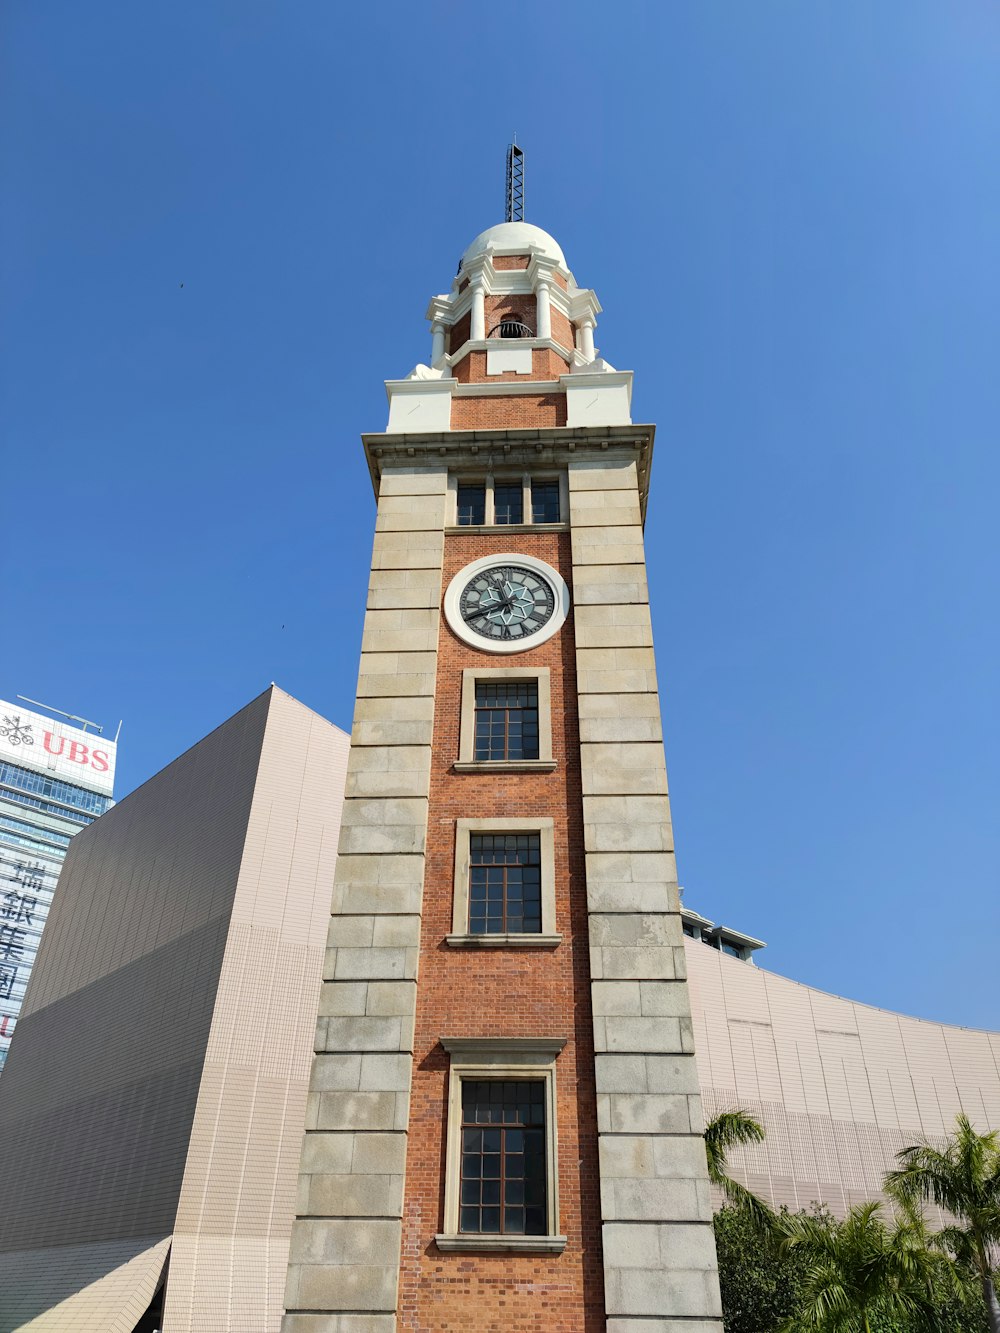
(344, 1261)
(543, 300)
(659, 1250)
(478, 332)
(437, 342)
(587, 337)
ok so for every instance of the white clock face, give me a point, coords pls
(506, 603)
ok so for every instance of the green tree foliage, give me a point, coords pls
(872, 1272)
(761, 1288)
(864, 1272)
(727, 1130)
(963, 1178)
(767, 1291)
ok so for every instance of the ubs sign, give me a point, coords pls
(37, 742)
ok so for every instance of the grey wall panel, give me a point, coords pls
(156, 1085)
(96, 1115)
(839, 1087)
(100, 1087)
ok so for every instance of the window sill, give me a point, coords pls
(504, 765)
(502, 1244)
(479, 529)
(503, 941)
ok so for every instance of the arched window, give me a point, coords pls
(510, 327)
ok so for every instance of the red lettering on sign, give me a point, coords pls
(6, 1025)
(78, 753)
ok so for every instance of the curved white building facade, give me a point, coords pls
(839, 1087)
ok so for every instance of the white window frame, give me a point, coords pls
(500, 1058)
(466, 763)
(461, 937)
(487, 480)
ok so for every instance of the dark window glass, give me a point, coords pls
(505, 884)
(506, 720)
(508, 503)
(545, 502)
(471, 505)
(14, 776)
(503, 1158)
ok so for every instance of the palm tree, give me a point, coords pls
(861, 1272)
(963, 1178)
(727, 1130)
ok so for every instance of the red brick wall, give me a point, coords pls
(513, 305)
(548, 365)
(518, 411)
(545, 365)
(504, 992)
(461, 332)
(502, 263)
(562, 330)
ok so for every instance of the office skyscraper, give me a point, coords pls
(55, 779)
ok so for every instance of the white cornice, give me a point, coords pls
(525, 448)
(420, 386)
(450, 307)
(583, 303)
(506, 388)
(484, 345)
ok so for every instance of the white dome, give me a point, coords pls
(515, 238)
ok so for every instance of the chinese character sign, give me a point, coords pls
(27, 883)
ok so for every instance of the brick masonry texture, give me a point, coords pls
(504, 992)
(563, 331)
(510, 263)
(461, 332)
(545, 365)
(516, 411)
(511, 305)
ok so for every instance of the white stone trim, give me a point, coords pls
(502, 356)
(504, 388)
(545, 827)
(467, 720)
(420, 404)
(452, 608)
(498, 1058)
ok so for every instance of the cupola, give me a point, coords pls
(513, 316)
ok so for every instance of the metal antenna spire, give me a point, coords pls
(514, 211)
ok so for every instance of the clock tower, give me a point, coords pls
(504, 1127)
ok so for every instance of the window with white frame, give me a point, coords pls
(501, 1173)
(506, 720)
(504, 892)
(511, 500)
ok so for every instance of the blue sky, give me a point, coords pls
(224, 222)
